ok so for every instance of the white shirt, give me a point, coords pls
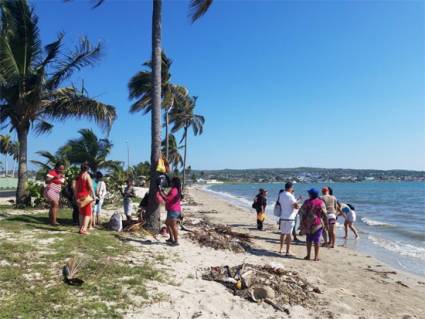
(101, 190)
(287, 201)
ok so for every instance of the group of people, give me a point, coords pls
(317, 217)
(86, 194)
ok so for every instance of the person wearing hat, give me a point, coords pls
(260, 203)
(313, 221)
(331, 212)
(288, 212)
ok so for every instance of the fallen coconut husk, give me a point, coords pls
(134, 226)
(270, 283)
(221, 237)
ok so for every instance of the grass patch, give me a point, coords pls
(31, 283)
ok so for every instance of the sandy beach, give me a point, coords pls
(352, 285)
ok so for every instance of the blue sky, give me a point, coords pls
(281, 83)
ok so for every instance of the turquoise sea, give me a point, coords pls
(390, 216)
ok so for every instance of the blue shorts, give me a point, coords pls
(173, 215)
(127, 206)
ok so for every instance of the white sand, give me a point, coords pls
(349, 289)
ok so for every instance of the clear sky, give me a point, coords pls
(281, 83)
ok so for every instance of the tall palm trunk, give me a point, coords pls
(153, 215)
(167, 137)
(21, 195)
(13, 168)
(184, 156)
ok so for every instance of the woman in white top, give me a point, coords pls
(348, 212)
(100, 195)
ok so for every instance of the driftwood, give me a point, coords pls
(270, 283)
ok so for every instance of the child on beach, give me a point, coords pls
(173, 207)
(349, 213)
(313, 221)
(260, 203)
(128, 194)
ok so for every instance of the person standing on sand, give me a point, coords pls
(128, 194)
(100, 192)
(349, 213)
(260, 203)
(54, 180)
(313, 221)
(173, 208)
(83, 190)
(331, 211)
(288, 213)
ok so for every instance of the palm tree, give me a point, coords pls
(89, 148)
(198, 8)
(140, 88)
(51, 160)
(183, 117)
(175, 159)
(5, 148)
(30, 78)
(14, 152)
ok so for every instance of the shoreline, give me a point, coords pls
(370, 242)
(354, 285)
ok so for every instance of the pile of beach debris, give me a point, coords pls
(220, 237)
(268, 283)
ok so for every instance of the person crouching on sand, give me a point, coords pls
(348, 212)
(173, 207)
(260, 203)
(313, 221)
(288, 212)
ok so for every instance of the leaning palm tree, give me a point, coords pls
(5, 148)
(140, 89)
(183, 117)
(89, 148)
(30, 79)
(175, 159)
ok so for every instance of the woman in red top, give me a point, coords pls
(83, 188)
(54, 181)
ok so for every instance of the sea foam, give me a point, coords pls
(399, 248)
(372, 222)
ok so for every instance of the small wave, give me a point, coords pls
(397, 247)
(372, 222)
(233, 198)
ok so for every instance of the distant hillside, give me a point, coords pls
(308, 174)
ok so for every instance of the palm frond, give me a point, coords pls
(42, 127)
(84, 55)
(20, 40)
(198, 8)
(69, 103)
(52, 50)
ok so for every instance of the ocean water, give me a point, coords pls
(390, 216)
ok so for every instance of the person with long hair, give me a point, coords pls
(331, 212)
(84, 193)
(313, 221)
(349, 214)
(54, 180)
(173, 206)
